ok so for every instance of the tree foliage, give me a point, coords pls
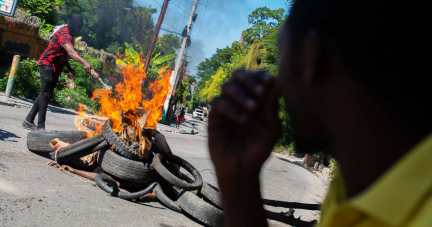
(263, 21)
(169, 44)
(44, 9)
(257, 51)
(111, 23)
(210, 66)
(182, 92)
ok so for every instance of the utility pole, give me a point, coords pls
(170, 110)
(174, 75)
(155, 36)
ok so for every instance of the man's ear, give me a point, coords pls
(309, 57)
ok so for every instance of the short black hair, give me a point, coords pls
(380, 41)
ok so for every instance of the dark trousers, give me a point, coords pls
(48, 81)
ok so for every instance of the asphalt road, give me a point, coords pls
(34, 194)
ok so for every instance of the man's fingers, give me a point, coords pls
(254, 82)
(225, 108)
(239, 95)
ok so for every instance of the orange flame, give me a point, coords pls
(128, 96)
(84, 123)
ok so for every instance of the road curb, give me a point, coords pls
(310, 169)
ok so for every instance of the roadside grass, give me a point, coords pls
(285, 150)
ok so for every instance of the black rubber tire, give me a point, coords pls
(126, 169)
(165, 200)
(212, 193)
(171, 178)
(38, 141)
(79, 149)
(165, 187)
(120, 146)
(101, 156)
(109, 185)
(199, 209)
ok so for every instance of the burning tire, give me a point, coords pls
(199, 209)
(126, 169)
(211, 193)
(120, 146)
(38, 141)
(80, 149)
(171, 178)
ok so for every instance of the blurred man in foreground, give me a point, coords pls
(354, 86)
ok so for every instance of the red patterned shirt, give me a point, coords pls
(55, 55)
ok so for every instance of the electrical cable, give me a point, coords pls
(221, 13)
(179, 7)
(169, 9)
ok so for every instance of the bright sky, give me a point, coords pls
(219, 22)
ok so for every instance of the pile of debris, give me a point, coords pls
(137, 164)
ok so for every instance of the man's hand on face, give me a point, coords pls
(243, 126)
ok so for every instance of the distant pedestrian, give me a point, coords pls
(51, 64)
(180, 118)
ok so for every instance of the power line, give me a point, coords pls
(167, 30)
(179, 7)
(169, 9)
(221, 13)
(171, 26)
(187, 2)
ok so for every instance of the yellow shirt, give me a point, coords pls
(402, 196)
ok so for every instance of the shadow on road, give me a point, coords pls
(60, 110)
(4, 135)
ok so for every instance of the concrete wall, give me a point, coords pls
(21, 39)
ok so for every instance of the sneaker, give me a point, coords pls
(29, 126)
(41, 129)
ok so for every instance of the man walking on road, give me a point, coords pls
(180, 118)
(353, 79)
(51, 64)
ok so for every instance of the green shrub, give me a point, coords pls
(71, 98)
(332, 166)
(188, 105)
(83, 79)
(27, 83)
(283, 149)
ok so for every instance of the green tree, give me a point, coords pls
(259, 51)
(210, 66)
(181, 93)
(169, 44)
(263, 20)
(44, 9)
(108, 24)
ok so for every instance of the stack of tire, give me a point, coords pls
(120, 161)
(174, 189)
